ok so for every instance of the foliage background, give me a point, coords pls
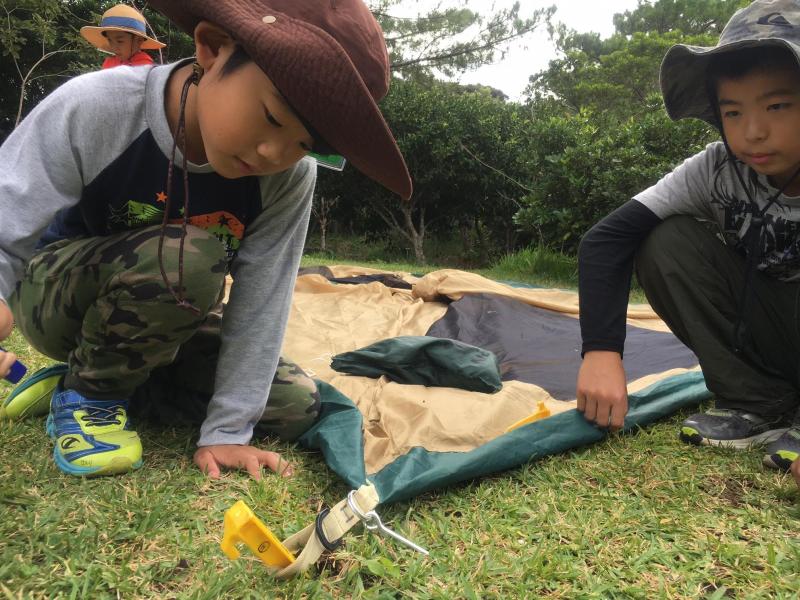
(491, 176)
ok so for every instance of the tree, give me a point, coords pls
(466, 152)
(619, 81)
(692, 17)
(449, 39)
(586, 170)
(42, 48)
(321, 209)
(618, 75)
(38, 46)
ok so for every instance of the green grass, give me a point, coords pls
(548, 268)
(635, 516)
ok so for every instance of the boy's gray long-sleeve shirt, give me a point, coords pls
(70, 169)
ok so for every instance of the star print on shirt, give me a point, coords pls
(161, 197)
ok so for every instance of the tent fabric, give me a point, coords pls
(337, 436)
(425, 360)
(515, 331)
(456, 284)
(410, 438)
(324, 271)
(387, 279)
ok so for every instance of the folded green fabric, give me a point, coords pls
(424, 360)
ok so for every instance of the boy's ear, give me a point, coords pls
(209, 39)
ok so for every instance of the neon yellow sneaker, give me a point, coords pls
(92, 437)
(31, 398)
(781, 453)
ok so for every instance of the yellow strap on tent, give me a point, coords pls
(241, 525)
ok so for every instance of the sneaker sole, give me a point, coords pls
(117, 466)
(692, 436)
(781, 460)
(42, 383)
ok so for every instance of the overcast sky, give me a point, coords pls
(532, 54)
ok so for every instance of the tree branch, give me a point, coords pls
(27, 76)
(496, 170)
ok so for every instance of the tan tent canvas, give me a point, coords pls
(534, 332)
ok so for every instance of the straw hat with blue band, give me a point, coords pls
(328, 59)
(120, 18)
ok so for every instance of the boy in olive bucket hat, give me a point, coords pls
(729, 288)
(123, 34)
(141, 206)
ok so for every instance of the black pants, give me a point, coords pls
(694, 282)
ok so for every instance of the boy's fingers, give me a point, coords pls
(247, 458)
(283, 467)
(275, 462)
(581, 402)
(6, 360)
(204, 459)
(603, 414)
(6, 320)
(253, 465)
(268, 459)
(590, 409)
(618, 411)
(796, 471)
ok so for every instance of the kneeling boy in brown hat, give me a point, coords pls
(122, 219)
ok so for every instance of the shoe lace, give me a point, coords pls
(100, 416)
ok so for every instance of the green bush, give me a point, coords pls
(585, 168)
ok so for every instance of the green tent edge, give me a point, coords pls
(338, 435)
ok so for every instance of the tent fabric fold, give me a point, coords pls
(425, 360)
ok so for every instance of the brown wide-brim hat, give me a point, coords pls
(329, 61)
(120, 18)
(684, 70)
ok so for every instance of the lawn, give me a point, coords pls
(636, 516)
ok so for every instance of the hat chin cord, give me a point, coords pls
(180, 133)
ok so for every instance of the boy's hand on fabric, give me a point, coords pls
(602, 391)
(212, 459)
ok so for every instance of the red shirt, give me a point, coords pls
(140, 58)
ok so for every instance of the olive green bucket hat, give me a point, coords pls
(684, 70)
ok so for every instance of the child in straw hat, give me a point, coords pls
(122, 219)
(122, 33)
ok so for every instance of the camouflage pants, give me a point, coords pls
(100, 305)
